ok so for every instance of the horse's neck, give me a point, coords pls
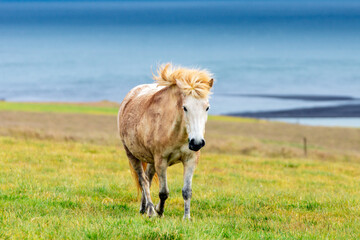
(172, 103)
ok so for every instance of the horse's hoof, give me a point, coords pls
(151, 212)
(158, 210)
(142, 209)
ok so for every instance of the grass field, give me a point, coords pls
(64, 175)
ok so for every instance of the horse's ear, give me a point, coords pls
(211, 82)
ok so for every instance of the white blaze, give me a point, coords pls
(195, 117)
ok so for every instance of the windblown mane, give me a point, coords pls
(194, 82)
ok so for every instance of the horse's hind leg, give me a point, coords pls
(150, 172)
(144, 183)
(161, 168)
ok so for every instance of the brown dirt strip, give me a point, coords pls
(252, 138)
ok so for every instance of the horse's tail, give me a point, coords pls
(136, 178)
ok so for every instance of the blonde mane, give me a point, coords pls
(194, 82)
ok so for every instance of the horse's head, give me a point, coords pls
(195, 85)
(195, 115)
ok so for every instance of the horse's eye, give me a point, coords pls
(185, 109)
(207, 109)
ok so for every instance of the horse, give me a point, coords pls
(162, 124)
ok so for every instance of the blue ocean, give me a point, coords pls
(259, 52)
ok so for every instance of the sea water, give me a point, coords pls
(91, 51)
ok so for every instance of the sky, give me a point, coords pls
(269, 1)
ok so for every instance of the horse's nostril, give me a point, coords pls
(196, 145)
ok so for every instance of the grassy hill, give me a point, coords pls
(63, 174)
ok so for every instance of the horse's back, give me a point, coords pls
(135, 99)
(130, 115)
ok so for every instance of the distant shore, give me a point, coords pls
(340, 111)
(301, 97)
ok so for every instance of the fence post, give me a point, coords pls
(305, 146)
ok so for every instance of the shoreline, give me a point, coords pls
(331, 116)
(301, 97)
(340, 111)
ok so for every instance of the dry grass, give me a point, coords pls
(224, 134)
(263, 138)
(57, 126)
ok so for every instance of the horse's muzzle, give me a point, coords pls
(195, 145)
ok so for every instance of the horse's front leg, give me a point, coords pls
(189, 168)
(161, 168)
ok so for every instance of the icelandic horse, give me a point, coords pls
(162, 124)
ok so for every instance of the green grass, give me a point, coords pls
(76, 190)
(87, 109)
(218, 118)
(66, 177)
(57, 107)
